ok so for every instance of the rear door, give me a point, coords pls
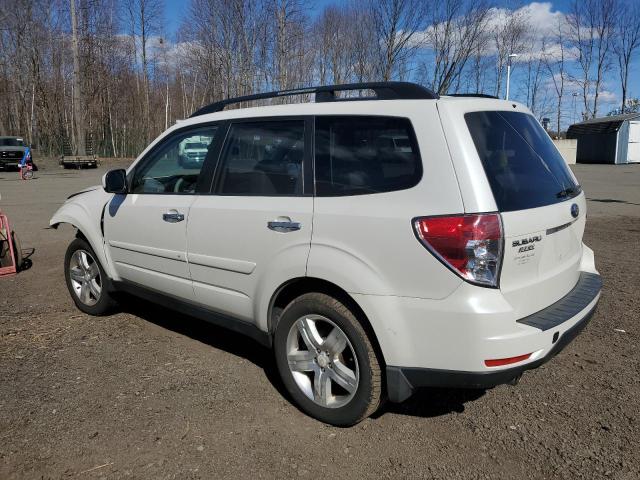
(542, 207)
(253, 231)
(145, 230)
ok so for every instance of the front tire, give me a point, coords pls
(86, 280)
(326, 360)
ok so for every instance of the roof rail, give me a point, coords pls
(327, 93)
(476, 95)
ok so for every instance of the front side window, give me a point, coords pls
(523, 167)
(174, 167)
(262, 158)
(358, 155)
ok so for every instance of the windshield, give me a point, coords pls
(11, 142)
(522, 165)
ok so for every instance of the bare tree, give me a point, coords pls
(289, 29)
(334, 61)
(592, 24)
(134, 80)
(77, 89)
(144, 17)
(555, 62)
(626, 43)
(508, 37)
(477, 77)
(534, 77)
(363, 43)
(455, 34)
(397, 24)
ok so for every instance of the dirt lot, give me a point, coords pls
(149, 393)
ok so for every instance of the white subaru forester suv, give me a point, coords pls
(379, 244)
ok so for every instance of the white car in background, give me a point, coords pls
(372, 269)
(193, 152)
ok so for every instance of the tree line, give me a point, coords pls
(105, 72)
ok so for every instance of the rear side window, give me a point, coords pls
(521, 163)
(263, 158)
(357, 155)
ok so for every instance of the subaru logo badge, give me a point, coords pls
(575, 210)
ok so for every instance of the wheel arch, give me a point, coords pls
(87, 220)
(296, 287)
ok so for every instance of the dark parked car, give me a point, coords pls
(11, 152)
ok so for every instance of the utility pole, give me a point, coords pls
(77, 94)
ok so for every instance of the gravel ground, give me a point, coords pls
(149, 393)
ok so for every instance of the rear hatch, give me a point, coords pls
(542, 207)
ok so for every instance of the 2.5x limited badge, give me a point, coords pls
(526, 244)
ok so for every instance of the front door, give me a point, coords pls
(145, 230)
(254, 231)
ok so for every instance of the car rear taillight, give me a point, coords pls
(470, 245)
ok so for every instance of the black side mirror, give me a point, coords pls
(115, 181)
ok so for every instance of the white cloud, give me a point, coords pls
(605, 96)
(542, 22)
(543, 26)
(541, 17)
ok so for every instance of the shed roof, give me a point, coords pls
(600, 125)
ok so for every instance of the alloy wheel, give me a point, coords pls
(322, 361)
(85, 277)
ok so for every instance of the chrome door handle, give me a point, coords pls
(173, 216)
(284, 226)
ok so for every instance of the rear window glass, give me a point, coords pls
(522, 165)
(358, 155)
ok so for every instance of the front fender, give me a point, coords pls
(84, 212)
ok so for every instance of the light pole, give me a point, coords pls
(511, 55)
(575, 96)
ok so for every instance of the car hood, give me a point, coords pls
(12, 149)
(86, 190)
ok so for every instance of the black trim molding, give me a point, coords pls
(587, 288)
(197, 311)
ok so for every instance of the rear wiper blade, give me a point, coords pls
(568, 192)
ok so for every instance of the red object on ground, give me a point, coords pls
(26, 172)
(5, 231)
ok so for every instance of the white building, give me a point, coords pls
(608, 139)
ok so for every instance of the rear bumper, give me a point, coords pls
(564, 320)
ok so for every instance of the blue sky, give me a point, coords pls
(546, 12)
(174, 9)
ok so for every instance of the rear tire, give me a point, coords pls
(87, 281)
(326, 361)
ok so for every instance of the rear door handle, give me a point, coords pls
(173, 216)
(284, 225)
